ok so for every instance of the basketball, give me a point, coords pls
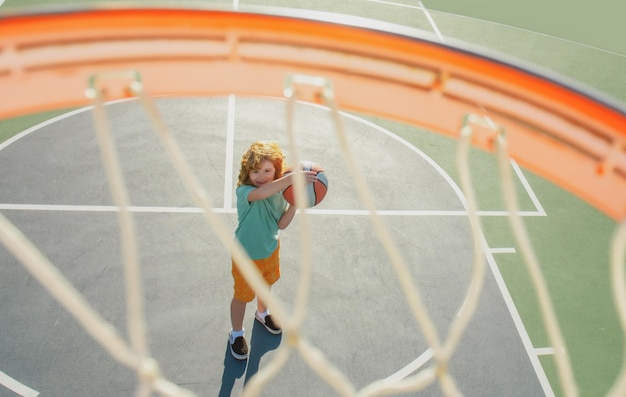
(314, 192)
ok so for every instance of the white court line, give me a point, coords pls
(417, 212)
(197, 210)
(30, 130)
(411, 367)
(228, 168)
(529, 190)
(13, 385)
(107, 208)
(235, 5)
(432, 22)
(508, 250)
(228, 188)
(1, 2)
(519, 325)
(394, 4)
(544, 351)
(63, 116)
(506, 213)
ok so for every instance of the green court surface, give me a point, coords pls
(572, 239)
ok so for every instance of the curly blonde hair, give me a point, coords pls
(255, 155)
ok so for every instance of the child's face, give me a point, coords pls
(263, 174)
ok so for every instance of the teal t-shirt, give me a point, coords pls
(258, 222)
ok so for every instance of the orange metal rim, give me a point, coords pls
(572, 137)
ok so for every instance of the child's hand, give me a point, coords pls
(309, 177)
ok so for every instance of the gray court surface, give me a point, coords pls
(357, 316)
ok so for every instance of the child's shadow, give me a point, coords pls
(261, 342)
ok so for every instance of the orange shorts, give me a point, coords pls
(269, 268)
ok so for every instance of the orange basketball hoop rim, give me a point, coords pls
(566, 134)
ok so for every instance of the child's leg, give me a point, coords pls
(237, 312)
(270, 269)
(261, 307)
(262, 314)
(236, 339)
(242, 294)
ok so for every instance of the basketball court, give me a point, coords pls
(357, 314)
(53, 188)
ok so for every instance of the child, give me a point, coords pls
(262, 212)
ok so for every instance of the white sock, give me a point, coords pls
(263, 315)
(235, 334)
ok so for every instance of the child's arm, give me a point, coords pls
(277, 185)
(287, 217)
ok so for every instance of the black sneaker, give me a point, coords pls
(269, 324)
(239, 348)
